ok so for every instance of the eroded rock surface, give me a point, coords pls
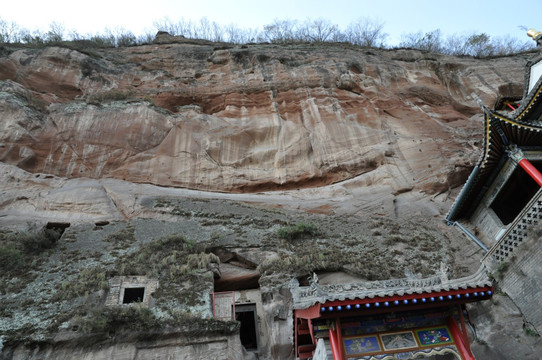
(248, 118)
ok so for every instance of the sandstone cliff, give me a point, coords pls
(371, 142)
(248, 118)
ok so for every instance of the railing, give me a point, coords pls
(518, 231)
(224, 305)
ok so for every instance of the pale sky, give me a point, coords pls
(496, 17)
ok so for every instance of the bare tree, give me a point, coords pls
(203, 31)
(479, 45)
(107, 39)
(9, 31)
(217, 33)
(507, 45)
(430, 41)
(281, 31)
(454, 45)
(233, 33)
(318, 30)
(251, 35)
(35, 37)
(146, 38)
(75, 35)
(165, 24)
(366, 32)
(55, 33)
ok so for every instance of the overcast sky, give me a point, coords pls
(496, 17)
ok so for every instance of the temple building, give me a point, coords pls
(500, 208)
(502, 199)
(386, 319)
(498, 196)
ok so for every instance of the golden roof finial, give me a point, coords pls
(534, 34)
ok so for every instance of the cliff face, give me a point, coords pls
(248, 118)
(387, 132)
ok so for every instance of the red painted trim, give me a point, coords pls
(531, 170)
(462, 346)
(510, 106)
(309, 313)
(224, 293)
(295, 334)
(311, 330)
(373, 309)
(334, 345)
(412, 296)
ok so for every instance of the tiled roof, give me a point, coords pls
(522, 127)
(306, 296)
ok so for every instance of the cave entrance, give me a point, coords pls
(133, 295)
(59, 227)
(246, 315)
(516, 193)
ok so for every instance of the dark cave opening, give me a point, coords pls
(133, 295)
(246, 315)
(516, 193)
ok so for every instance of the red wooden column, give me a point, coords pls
(531, 170)
(517, 156)
(462, 346)
(334, 341)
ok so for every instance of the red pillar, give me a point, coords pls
(531, 170)
(334, 344)
(462, 346)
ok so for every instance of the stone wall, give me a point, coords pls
(219, 347)
(522, 281)
(118, 285)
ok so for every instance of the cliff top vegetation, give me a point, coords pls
(364, 32)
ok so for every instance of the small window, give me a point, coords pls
(133, 295)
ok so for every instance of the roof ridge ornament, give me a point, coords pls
(515, 153)
(480, 102)
(536, 35)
